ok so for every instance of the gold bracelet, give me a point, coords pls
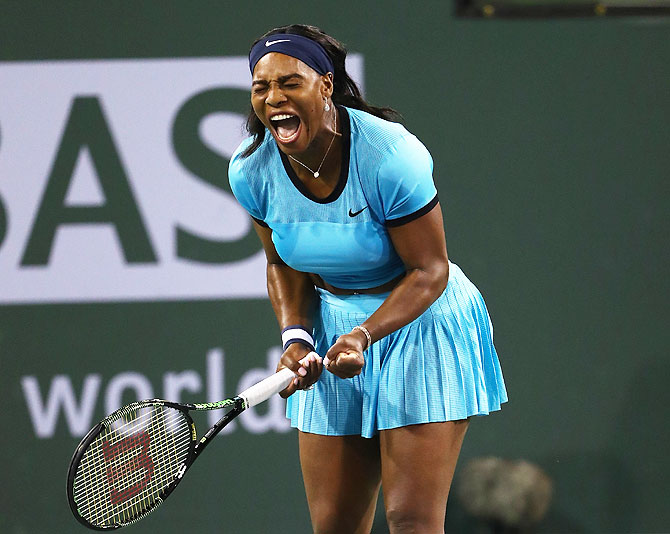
(367, 335)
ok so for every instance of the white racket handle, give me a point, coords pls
(264, 389)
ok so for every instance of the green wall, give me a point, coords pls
(551, 148)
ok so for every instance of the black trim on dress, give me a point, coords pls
(413, 216)
(344, 168)
(260, 222)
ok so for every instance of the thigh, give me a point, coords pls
(418, 463)
(342, 478)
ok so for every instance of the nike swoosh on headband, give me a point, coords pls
(270, 43)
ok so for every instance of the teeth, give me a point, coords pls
(281, 117)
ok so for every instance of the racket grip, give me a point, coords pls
(264, 389)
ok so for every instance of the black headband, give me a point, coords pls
(309, 52)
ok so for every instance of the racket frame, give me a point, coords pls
(252, 396)
(195, 447)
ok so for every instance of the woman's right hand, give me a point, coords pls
(307, 373)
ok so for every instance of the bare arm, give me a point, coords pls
(421, 245)
(293, 299)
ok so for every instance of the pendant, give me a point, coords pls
(316, 174)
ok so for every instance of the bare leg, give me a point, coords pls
(418, 463)
(342, 478)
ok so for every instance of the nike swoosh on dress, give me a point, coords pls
(354, 213)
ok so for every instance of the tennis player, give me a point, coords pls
(343, 200)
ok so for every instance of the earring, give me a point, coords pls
(326, 106)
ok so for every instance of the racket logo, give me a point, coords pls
(123, 461)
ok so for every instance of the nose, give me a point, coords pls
(275, 96)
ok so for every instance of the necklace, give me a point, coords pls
(316, 173)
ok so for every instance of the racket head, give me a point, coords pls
(129, 463)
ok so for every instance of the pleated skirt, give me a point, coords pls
(442, 366)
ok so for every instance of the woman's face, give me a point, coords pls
(288, 97)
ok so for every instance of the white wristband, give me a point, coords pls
(296, 334)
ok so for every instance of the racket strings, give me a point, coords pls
(99, 464)
(132, 426)
(127, 467)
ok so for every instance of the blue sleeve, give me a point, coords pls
(239, 185)
(405, 180)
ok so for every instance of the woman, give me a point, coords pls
(344, 203)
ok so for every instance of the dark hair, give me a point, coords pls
(345, 90)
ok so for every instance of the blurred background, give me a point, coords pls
(128, 271)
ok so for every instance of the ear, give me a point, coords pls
(327, 85)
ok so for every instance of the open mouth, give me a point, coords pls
(286, 126)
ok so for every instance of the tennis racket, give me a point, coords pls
(132, 460)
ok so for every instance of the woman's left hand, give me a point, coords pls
(307, 366)
(345, 358)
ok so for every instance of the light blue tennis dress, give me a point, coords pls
(442, 366)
